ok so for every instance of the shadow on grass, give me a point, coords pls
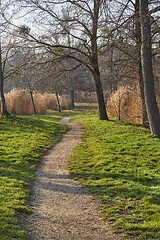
(128, 201)
(121, 185)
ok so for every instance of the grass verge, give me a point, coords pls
(120, 164)
(22, 143)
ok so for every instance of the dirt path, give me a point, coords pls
(62, 210)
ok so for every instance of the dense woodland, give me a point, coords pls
(76, 50)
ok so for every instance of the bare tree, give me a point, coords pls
(3, 26)
(138, 46)
(126, 38)
(147, 67)
(4, 111)
(81, 23)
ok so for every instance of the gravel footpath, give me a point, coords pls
(62, 209)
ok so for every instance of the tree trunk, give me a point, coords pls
(113, 81)
(100, 96)
(33, 104)
(147, 67)
(141, 82)
(4, 111)
(32, 99)
(72, 103)
(145, 122)
(58, 102)
(95, 63)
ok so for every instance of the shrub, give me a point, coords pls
(65, 102)
(18, 101)
(126, 104)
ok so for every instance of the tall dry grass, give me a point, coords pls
(65, 102)
(125, 104)
(18, 101)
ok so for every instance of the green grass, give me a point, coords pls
(22, 142)
(120, 164)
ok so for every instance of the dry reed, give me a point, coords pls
(125, 104)
(19, 101)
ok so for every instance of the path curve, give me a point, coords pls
(62, 209)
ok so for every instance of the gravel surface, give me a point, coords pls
(62, 209)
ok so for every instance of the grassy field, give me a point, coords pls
(120, 164)
(22, 142)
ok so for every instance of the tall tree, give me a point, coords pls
(138, 45)
(147, 67)
(81, 23)
(4, 111)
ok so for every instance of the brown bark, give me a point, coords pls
(32, 98)
(141, 81)
(33, 104)
(58, 102)
(144, 109)
(72, 104)
(147, 67)
(4, 111)
(100, 96)
(95, 64)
